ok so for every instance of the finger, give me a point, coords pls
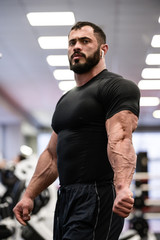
(128, 200)
(122, 211)
(26, 217)
(26, 214)
(123, 206)
(122, 214)
(18, 215)
(131, 194)
(126, 204)
(22, 214)
(131, 198)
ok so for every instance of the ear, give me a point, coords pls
(104, 49)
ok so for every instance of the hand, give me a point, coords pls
(123, 203)
(23, 209)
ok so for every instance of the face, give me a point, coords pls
(83, 50)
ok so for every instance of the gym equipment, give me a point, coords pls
(138, 220)
(14, 181)
(7, 228)
(130, 235)
(40, 227)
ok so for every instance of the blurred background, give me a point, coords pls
(34, 74)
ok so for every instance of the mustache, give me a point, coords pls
(78, 53)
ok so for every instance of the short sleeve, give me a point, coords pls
(119, 94)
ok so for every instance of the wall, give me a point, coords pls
(10, 140)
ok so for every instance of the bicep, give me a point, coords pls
(122, 124)
(52, 146)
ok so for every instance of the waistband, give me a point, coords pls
(77, 185)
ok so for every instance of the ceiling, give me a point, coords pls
(27, 86)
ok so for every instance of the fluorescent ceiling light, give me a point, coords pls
(151, 73)
(159, 19)
(63, 74)
(57, 42)
(51, 18)
(149, 84)
(156, 114)
(67, 85)
(58, 60)
(149, 101)
(153, 59)
(155, 41)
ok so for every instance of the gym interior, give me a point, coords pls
(34, 74)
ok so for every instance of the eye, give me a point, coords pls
(85, 41)
(72, 43)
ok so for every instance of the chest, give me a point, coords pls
(77, 109)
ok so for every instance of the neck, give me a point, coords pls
(82, 79)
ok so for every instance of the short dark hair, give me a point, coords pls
(101, 36)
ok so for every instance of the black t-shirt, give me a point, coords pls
(79, 121)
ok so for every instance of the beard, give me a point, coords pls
(91, 61)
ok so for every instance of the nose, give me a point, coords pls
(77, 46)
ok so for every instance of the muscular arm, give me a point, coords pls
(122, 158)
(46, 170)
(44, 175)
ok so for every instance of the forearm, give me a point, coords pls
(44, 175)
(123, 161)
(122, 157)
(120, 148)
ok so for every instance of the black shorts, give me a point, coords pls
(84, 212)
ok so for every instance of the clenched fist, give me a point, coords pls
(124, 202)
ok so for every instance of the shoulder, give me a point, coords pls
(106, 75)
(116, 84)
(117, 94)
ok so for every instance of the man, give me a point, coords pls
(91, 143)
